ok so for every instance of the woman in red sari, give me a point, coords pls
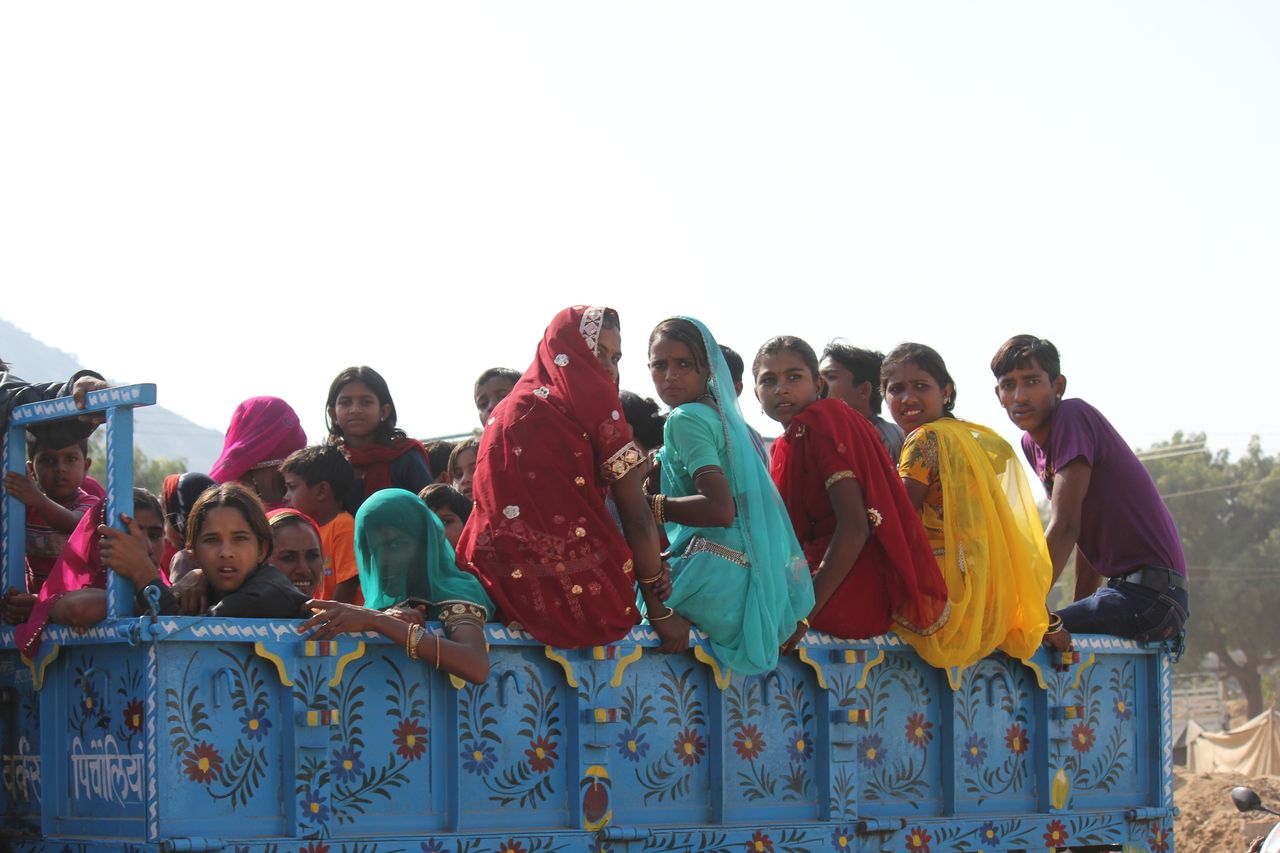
(540, 537)
(872, 565)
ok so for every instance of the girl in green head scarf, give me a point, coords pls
(408, 574)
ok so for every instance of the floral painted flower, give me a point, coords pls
(410, 739)
(919, 730)
(347, 764)
(1015, 738)
(1082, 737)
(541, 755)
(202, 763)
(748, 742)
(842, 837)
(975, 751)
(799, 747)
(1123, 707)
(511, 846)
(1055, 834)
(254, 724)
(313, 807)
(314, 847)
(689, 747)
(760, 843)
(89, 701)
(988, 835)
(433, 846)
(869, 751)
(478, 758)
(918, 840)
(133, 716)
(632, 745)
(1158, 840)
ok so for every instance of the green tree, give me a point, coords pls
(1228, 514)
(147, 473)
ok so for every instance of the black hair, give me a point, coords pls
(460, 448)
(143, 499)
(438, 456)
(645, 418)
(787, 343)
(46, 439)
(864, 364)
(386, 430)
(928, 360)
(682, 331)
(442, 495)
(509, 373)
(1020, 350)
(734, 361)
(321, 463)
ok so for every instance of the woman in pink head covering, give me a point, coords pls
(263, 431)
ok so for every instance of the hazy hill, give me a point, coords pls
(158, 431)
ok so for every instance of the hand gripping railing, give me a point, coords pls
(118, 404)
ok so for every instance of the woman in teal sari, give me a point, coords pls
(408, 575)
(737, 571)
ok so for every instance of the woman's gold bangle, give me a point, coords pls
(658, 505)
(805, 622)
(438, 644)
(411, 640)
(670, 612)
(653, 579)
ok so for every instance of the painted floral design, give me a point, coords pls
(314, 847)
(759, 843)
(478, 758)
(1015, 738)
(799, 747)
(748, 743)
(869, 751)
(988, 835)
(689, 747)
(347, 765)
(1158, 840)
(918, 840)
(919, 730)
(89, 701)
(313, 807)
(1055, 834)
(975, 751)
(1123, 708)
(254, 724)
(632, 745)
(842, 837)
(511, 846)
(202, 763)
(541, 754)
(1082, 737)
(410, 739)
(133, 716)
(432, 846)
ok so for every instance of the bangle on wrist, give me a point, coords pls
(670, 612)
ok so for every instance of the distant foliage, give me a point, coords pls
(147, 473)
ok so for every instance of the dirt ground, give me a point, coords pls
(1209, 823)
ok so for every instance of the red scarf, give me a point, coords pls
(376, 460)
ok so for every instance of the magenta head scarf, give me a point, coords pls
(263, 431)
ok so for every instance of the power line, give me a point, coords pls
(1225, 488)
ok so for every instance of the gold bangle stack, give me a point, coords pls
(411, 640)
(658, 505)
(438, 643)
(647, 581)
(670, 612)
(1055, 623)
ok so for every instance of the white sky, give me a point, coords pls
(237, 199)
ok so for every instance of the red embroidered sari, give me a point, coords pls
(540, 537)
(895, 584)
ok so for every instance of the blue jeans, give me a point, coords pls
(1128, 610)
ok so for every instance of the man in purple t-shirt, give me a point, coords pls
(1104, 503)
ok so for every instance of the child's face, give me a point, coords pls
(463, 470)
(152, 525)
(60, 472)
(785, 386)
(675, 373)
(297, 553)
(1029, 396)
(609, 351)
(490, 393)
(452, 524)
(227, 549)
(841, 386)
(304, 498)
(914, 396)
(357, 411)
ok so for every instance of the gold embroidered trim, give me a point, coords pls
(455, 613)
(592, 323)
(700, 543)
(931, 629)
(617, 465)
(837, 477)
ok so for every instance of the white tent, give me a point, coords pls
(1251, 750)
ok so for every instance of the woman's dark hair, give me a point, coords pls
(143, 499)
(787, 343)
(508, 373)
(610, 320)
(864, 364)
(1020, 350)
(438, 452)
(386, 430)
(681, 330)
(646, 419)
(190, 487)
(928, 360)
(460, 448)
(232, 496)
(438, 495)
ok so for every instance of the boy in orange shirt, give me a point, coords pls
(316, 481)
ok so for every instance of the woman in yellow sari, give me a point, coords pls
(978, 512)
